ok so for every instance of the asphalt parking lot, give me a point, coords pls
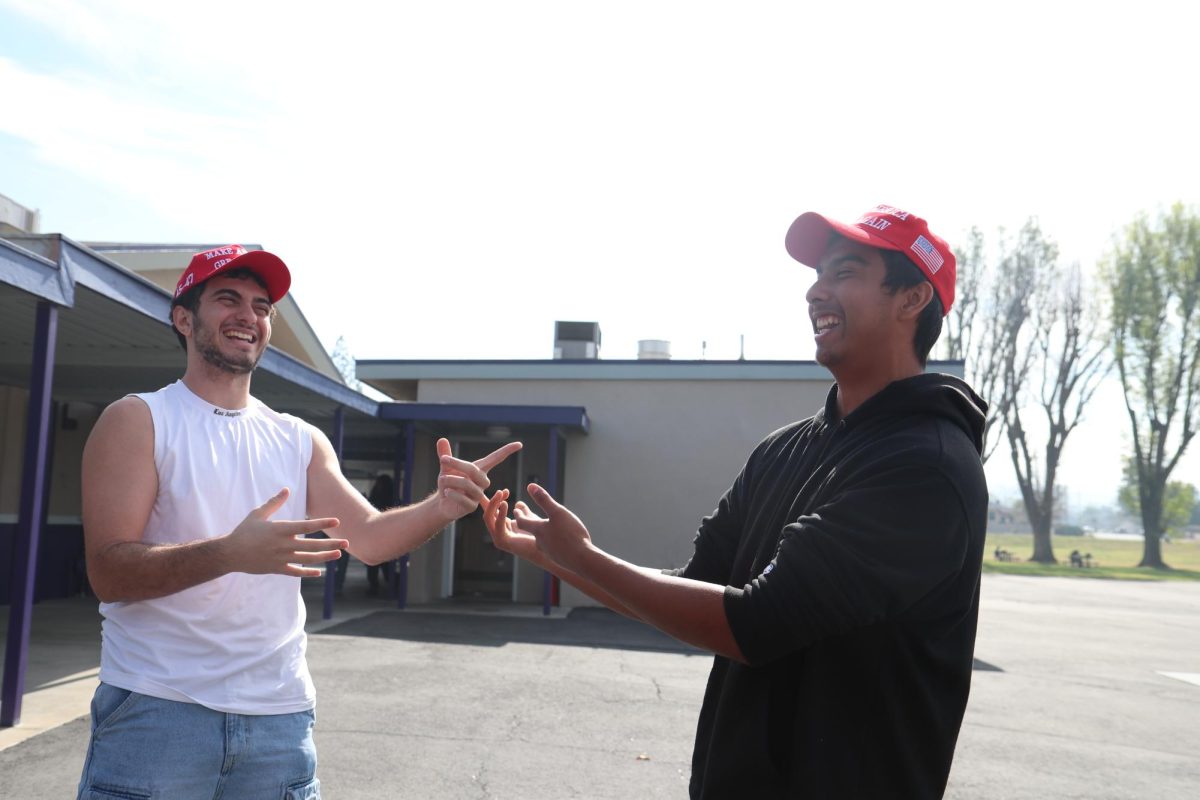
(1069, 700)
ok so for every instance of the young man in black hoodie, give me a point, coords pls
(837, 581)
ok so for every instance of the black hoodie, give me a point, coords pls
(851, 551)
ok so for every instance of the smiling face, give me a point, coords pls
(231, 326)
(856, 321)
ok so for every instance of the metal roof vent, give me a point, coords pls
(654, 350)
(576, 340)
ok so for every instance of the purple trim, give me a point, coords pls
(34, 270)
(291, 369)
(391, 569)
(33, 273)
(331, 567)
(29, 525)
(552, 488)
(410, 436)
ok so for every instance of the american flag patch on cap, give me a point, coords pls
(928, 254)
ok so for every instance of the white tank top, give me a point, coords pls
(236, 643)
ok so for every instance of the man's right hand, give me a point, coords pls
(260, 545)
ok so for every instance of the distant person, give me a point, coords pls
(1076, 559)
(382, 496)
(196, 500)
(339, 576)
(837, 580)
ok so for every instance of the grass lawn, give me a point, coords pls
(1110, 558)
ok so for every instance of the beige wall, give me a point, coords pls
(12, 448)
(65, 472)
(659, 456)
(68, 452)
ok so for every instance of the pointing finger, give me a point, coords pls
(496, 456)
(443, 447)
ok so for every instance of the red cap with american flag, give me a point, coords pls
(885, 227)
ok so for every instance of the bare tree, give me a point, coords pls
(969, 282)
(1154, 279)
(343, 359)
(1005, 355)
(981, 332)
(1069, 363)
(1028, 339)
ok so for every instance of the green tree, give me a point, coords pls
(1153, 277)
(1178, 504)
(1179, 499)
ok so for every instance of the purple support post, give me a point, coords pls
(331, 567)
(410, 444)
(551, 487)
(29, 523)
(391, 569)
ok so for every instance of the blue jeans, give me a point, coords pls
(144, 748)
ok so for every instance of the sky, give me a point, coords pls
(446, 180)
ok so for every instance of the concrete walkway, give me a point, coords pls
(1081, 692)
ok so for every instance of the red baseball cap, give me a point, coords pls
(885, 227)
(267, 266)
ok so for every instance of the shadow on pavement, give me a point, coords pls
(583, 627)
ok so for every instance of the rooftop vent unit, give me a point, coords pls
(576, 340)
(654, 350)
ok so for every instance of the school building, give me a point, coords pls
(641, 448)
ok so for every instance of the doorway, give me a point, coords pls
(481, 571)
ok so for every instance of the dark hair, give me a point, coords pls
(902, 273)
(382, 495)
(190, 299)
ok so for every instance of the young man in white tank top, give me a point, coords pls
(196, 500)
